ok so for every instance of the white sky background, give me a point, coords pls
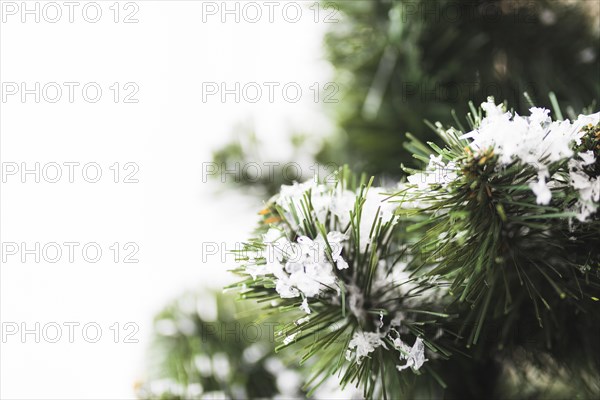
(169, 133)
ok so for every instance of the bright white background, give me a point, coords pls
(169, 133)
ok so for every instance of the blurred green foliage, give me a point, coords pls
(207, 345)
(400, 62)
(403, 61)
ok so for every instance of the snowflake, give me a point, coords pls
(304, 306)
(540, 188)
(414, 356)
(362, 344)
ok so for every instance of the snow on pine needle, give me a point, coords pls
(539, 142)
(327, 261)
(509, 214)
